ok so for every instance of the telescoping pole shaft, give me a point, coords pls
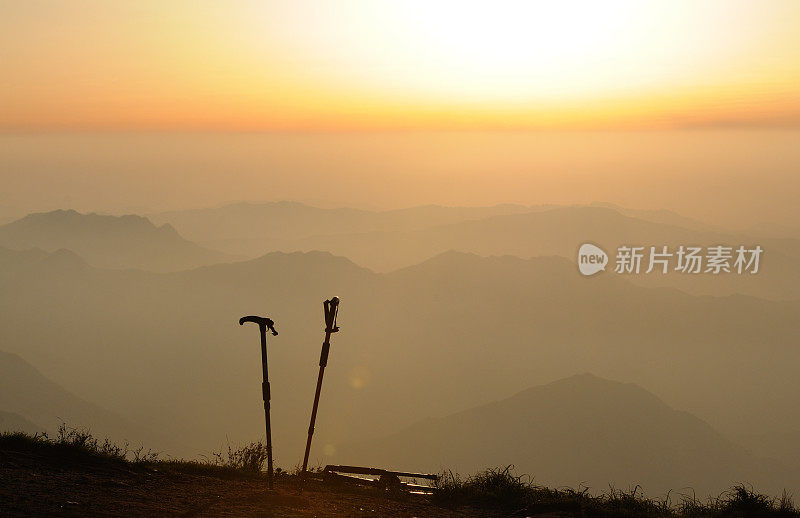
(264, 324)
(265, 392)
(323, 361)
(331, 309)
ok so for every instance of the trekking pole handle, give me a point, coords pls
(331, 308)
(263, 322)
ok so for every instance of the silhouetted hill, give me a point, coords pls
(108, 241)
(581, 430)
(28, 397)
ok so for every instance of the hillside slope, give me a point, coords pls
(581, 430)
(32, 403)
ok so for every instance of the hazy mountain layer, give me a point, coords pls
(108, 241)
(582, 430)
(292, 220)
(166, 350)
(561, 232)
(385, 241)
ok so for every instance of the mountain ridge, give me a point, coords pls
(128, 241)
(582, 430)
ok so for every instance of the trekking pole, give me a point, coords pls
(331, 309)
(263, 325)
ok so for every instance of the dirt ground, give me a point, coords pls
(33, 484)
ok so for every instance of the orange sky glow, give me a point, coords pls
(326, 65)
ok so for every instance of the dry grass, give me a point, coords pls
(501, 489)
(494, 489)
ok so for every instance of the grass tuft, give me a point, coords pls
(249, 458)
(79, 445)
(73, 444)
(500, 489)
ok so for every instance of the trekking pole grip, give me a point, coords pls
(323, 357)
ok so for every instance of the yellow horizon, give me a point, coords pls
(320, 65)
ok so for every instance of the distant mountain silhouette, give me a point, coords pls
(561, 231)
(667, 217)
(108, 241)
(248, 224)
(166, 350)
(385, 241)
(11, 422)
(28, 397)
(581, 430)
(524, 235)
(257, 228)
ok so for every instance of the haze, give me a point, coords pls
(732, 178)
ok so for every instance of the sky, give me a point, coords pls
(256, 65)
(147, 105)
